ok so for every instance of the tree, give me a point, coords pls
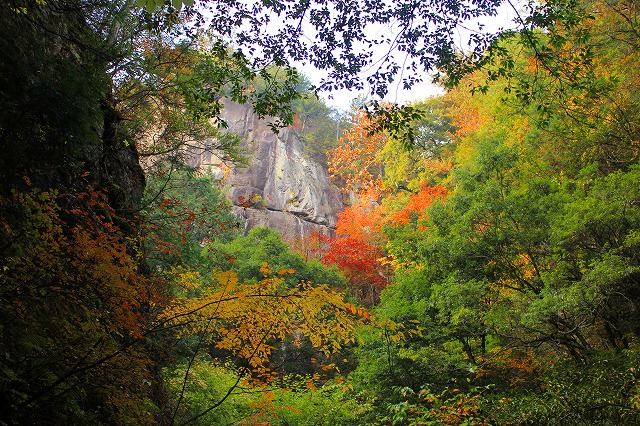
(573, 72)
(357, 251)
(245, 321)
(318, 125)
(424, 37)
(74, 296)
(430, 156)
(246, 255)
(414, 211)
(74, 303)
(359, 261)
(355, 161)
(184, 211)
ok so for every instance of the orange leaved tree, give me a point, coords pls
(73, 304)
(357, 250)
(354, 161)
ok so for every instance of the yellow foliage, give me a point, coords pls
(243, 318)
(189, 280)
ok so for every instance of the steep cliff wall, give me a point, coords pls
(281, 188)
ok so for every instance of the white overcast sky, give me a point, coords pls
(342, 98)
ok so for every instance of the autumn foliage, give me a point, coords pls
(357, 250)
(415, 208)
(355, 162)
(71, 285)
(245, 320)
(362, 220)
(359, 261)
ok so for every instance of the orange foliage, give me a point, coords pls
(417, 205)
(357, 250)
(463, 409)
(362, 221)
(517, 367)
(465, 116)
(310, 247)
(466, 120)
(297, 124)
(85, 255)
(355, 160)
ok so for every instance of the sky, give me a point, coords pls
(341, 99)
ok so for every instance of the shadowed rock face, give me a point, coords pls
(282, 188)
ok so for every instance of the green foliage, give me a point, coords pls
(185, 211)
(430, 152)
(332, 404)
(206, 385)
(530, 257)
(291, 403)
(451, 406)
(603, 392)
(319, 126)
(246, 256)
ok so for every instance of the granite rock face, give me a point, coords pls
(281, 188)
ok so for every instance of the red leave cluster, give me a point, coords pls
(357, 250)
(358, 260)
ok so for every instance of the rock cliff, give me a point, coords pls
(281, 188)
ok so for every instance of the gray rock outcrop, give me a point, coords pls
(281, 188)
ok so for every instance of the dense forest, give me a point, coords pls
(484, 270)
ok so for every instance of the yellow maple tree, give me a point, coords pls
(245, 319)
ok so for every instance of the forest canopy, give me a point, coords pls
(484, 271)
